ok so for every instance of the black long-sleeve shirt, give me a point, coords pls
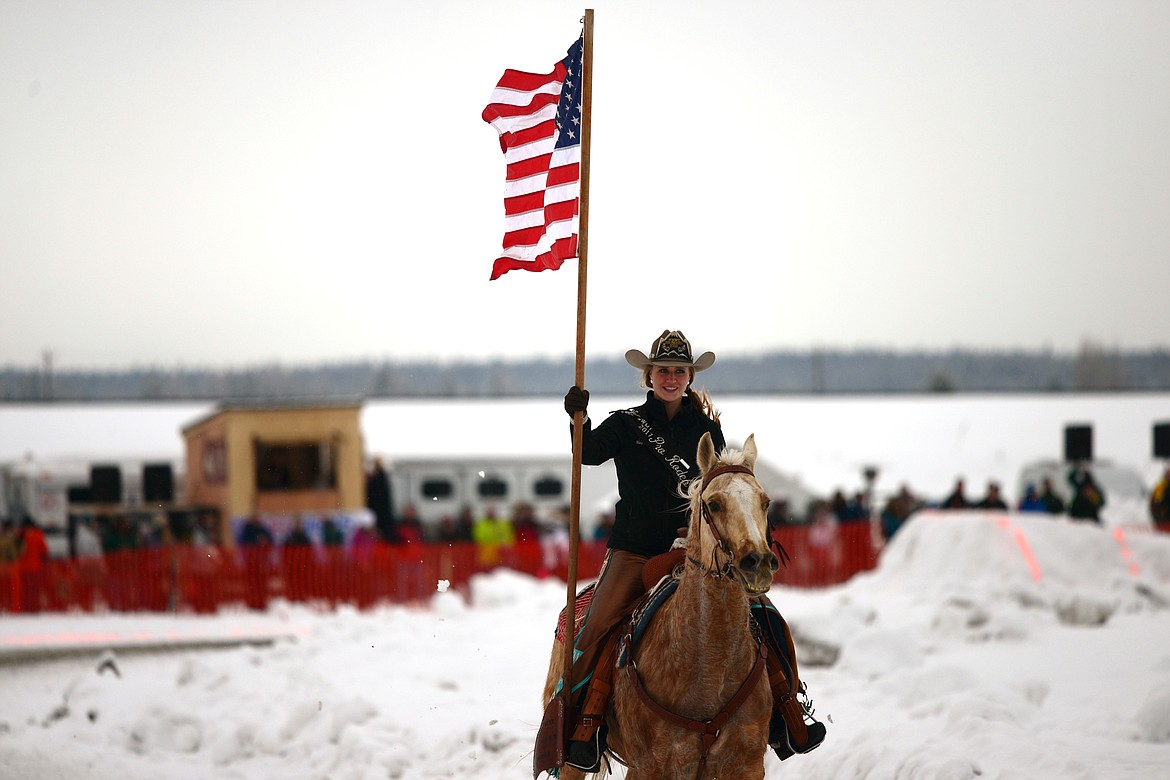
(650, 509)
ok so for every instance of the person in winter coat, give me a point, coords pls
(1088, 497)
(34, 558)
(1160, 500)
(649, 513)
(1053, 504)
(494, 537)
(993, 499)
(957, 498)
(9, 546)
(380, 501)
(255, 543)
(1031, 501)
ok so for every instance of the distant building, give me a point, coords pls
(276, 459)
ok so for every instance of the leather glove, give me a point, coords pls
(576, 400)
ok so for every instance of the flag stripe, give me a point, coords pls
(564, 174)
(519, 204)
(543, 133)
(530, 167)
(538, 120)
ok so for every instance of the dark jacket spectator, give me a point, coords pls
(120, 535)
(897, 511)
(297, 536)
(957, 499)
(1088, 498)
(331, 535)
(993, 500)
(452, 530)
(1053, 504)
(380, 501)
(254, 533)
(779, 514)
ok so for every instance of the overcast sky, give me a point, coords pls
(230, 183)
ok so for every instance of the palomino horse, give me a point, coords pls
(704, 705)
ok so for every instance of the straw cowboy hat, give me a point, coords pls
(670, 349)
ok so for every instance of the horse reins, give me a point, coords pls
(709, 729)
(705, 514)
(781, 554)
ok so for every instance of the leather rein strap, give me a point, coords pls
(781, 554)
(709, 729)
(705, 513)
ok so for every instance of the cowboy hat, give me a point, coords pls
(670, 349)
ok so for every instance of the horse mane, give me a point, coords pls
(701, 400)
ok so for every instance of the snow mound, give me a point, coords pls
(1153, 718)
(1082, 572)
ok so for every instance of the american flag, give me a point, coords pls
(538, 117)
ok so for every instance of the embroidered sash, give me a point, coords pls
(660, 446)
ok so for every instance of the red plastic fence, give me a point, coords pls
(203, 579)
(820, 558)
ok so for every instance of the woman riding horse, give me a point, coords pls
(653, 447)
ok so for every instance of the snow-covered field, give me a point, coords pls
(1006, 646)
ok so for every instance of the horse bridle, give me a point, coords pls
(705, 514)
(720, 542)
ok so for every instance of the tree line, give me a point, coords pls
(1092, 368)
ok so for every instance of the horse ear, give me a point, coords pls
(706, 453)
(749, 451)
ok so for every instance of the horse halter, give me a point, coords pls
(705, 513)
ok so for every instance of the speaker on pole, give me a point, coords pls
(78, 494)
(158, 483)
(1162, 440)
(1078, 443)
(105, 484)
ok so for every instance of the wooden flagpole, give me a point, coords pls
(579, 375)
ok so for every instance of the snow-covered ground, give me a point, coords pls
(991, 646)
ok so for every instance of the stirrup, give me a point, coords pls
(783, 745)
(781, 741)
(586, 754)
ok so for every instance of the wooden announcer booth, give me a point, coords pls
(276, 460)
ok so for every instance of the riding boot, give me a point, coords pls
(788, 733)
(587, 738)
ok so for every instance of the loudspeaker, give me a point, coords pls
(105, 484)
(158, 483)
(1078, 443)
(79, 494)
(1162, 440)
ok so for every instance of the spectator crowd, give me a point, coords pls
(297, 543)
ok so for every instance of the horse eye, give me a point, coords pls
(714, 506)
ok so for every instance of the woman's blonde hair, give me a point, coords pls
(701, 400)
